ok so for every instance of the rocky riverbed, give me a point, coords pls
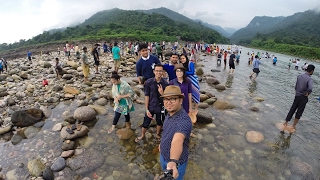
(34, 119)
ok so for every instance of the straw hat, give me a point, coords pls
(172, 91)
(179, 66)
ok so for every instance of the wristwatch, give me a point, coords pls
(175, 161)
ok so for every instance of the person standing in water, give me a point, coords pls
(255, 67)
(289, 65)
(303, 89)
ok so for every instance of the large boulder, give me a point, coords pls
(84, 113)
(102, 101)
(76, 134)
(71, 90)
(3, 77)
(36, 167)
(28, 117)
(301, 168)
(86, 162)
(67, 76)
(72, 64)
(199, 71)
(47, 65)
(99, 109)
(254, 137)
(124, 133)
(213, 81)
(220, 87)
(204, 118)
(219, 104)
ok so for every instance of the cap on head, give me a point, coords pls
(172, 90)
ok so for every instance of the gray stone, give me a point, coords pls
(124, 133)
(65, 135)
(68, 145)
(203, 105)
(3, 94)
(11, 101)
(31, 132)
(212, 81)
(220, 87)
(204, 118)
(39, 124)
(114, 161)
(16, 139)
(3, 77)
(86, 162)
(28, 117)
(67, 76)
(57, 88)
(210, 101)
(84, 113)
(47, 65)
(102, 101)
(58, 164)
(4, 130)
(208, 139)
(47, 174)
(23, 74)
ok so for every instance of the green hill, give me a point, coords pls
(117, 24)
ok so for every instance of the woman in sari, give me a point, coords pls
(190, 72)
(123, 100)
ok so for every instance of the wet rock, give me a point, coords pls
(46, 111)
(3, 77)
(68, 145)
(215, 70)
(70, 120)
(28, 117)
(219, 104)
(211, 100)
(47, 174)
(67, 76)
(84, 113)
(114, 161)
(213, 81)
(3, 94)
(203, 105)
(65, 135)
(4, 130)
(57, 127)
(301, 168)
(260, 99)
(47, 65)
(11, 101)
(39, 124)
(66, 154)
(220, 87)
(254, 109)
(31, 132)
(254, 137)
(203, 97)
(58, 164)
(57, 88)
(99, 109)
(199, 71)
(16, 139)
(124, 133)
(86, 162)
(71, 90)
(195, 171)
(36, 167)
(208, 139)
(23, 74)
(102, 101)
(204, 118)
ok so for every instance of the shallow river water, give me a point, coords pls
(219, 151)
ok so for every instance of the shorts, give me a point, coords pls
(136, 53)
(232, 66)
(225, 61)
(256, 70)
(86, 70)
(68, 53)
(96, 62)
(117, 63)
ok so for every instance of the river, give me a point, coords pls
(218, 152)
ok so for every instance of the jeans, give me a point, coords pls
(181, 169)
(117, 117)
(299, 104)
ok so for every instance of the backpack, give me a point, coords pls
(1, 64)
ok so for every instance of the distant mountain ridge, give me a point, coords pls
(293, 27)
(218, 28)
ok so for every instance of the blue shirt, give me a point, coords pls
(179, 122)
(304, 84)
(116, 53)
(151, 90)
(145, 67)
(29, 54)
(256, 63)
(170, 70)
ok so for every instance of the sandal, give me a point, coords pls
(138, 139)
(79, 127)
(70, 131)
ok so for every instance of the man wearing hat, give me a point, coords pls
(85, 63)
(176, 133)
(303, 89)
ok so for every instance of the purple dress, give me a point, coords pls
(186, 88)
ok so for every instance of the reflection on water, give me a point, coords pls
(218, 152)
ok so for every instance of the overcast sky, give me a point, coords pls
(23, 19)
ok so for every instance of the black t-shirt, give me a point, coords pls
(232, 57)
(95, 54)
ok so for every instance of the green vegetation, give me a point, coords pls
(297, 50)
(116, 24)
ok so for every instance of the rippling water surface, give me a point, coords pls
(219, 152)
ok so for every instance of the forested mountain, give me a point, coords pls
(259, 24)
(120, 24)
(220, 30)
(181, 18)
